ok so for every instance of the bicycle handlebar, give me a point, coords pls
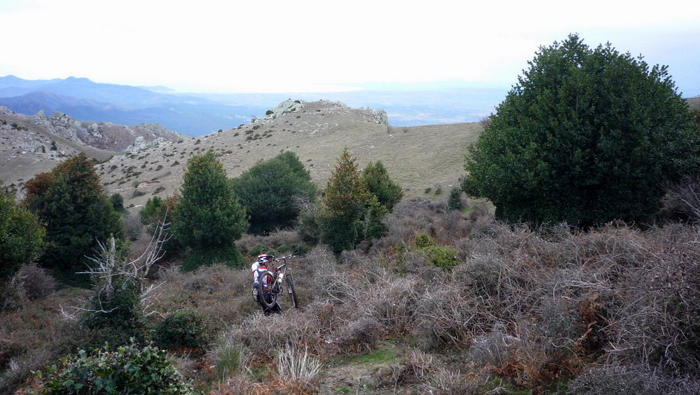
(284, 258)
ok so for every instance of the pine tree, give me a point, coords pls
(77, 214)
(344, 206)
(455, 200)
(209, 218)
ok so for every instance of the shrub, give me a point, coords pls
(183, 330)
(34, 281)
(586, 136)
(630, 380)
(455, 200)
(154, 213)
(443, 257)
(423, 240)
(132, 226)
(115, 313)
(115, 317)
(128, 370)
(261, 249)
(21, 237)
(379, 184)
(227, 358)
(270, 192)
(682, 200)
(295, 366)
(207, 256)
(117, 201)
(374, 227)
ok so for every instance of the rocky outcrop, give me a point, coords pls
(57, 124)
(289, 106)
(106, 135)
(380, 116)
(286, 107)
(141, 144)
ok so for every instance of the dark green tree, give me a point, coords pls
(117, 201)
(209, 217)
(374, 227)
(586, 136)
(380, 185)
(270, 191)
(21, 237)
(455, 200)
(344, 206)
(77, 214)
(291, 159)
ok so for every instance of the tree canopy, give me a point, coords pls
(270, 189)
(77, 214)
(586, 136)
(344, 205)
(209, 217)
(380, 185)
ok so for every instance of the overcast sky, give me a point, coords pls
(310, 45)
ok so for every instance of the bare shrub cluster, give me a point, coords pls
(36, 335)
(613, 310)
(34, 281)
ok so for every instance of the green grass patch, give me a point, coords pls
(386, 352)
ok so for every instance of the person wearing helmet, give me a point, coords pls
(259, 267)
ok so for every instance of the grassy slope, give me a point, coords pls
(416, 157)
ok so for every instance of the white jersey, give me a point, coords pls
(257, 270)
(254, 268)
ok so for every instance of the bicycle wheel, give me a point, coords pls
(267, 297)
(290, 290)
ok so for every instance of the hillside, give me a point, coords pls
(34, 144)
(419, 158)
(608, 311)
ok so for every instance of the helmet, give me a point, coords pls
(262, 259)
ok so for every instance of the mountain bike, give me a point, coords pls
(274, 282)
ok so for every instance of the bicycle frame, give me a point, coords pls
(274, 280)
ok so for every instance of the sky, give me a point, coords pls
(321, 45)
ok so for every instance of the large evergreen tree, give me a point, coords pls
(586, 136)
(209, 216)
(270, 189)
(77, 214)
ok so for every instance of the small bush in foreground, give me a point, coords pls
(128, 370)
(183, 329)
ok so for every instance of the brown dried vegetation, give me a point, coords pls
(615, 310)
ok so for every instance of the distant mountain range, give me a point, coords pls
(197, 114)
(86, 100)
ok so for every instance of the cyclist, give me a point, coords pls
(259, 267)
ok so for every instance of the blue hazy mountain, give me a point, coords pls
(86, 100)
(198, 114)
